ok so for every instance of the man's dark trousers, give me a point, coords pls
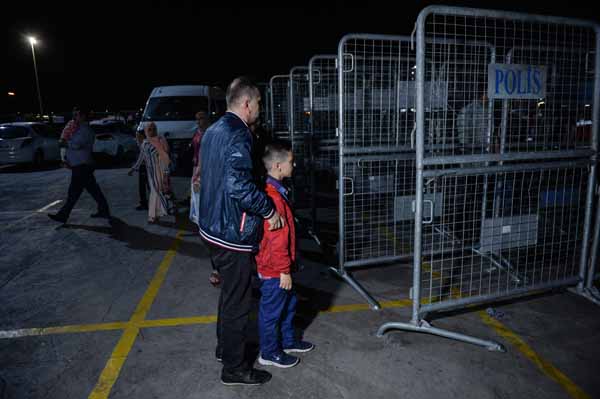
(143, 185)
(236, 270)
(82, 177)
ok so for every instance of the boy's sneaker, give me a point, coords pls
(300, 347)
(281, 360)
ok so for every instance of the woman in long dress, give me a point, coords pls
(154, 152)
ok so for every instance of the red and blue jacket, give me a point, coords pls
(277, 249)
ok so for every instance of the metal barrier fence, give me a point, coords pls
(376, 158)
(323, 144)
(504, 181)
(264, 116)
(299, 114)
(279, 106)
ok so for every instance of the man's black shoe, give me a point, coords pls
(219, 354)
(105, 215)
(246, 377)
(57, 218)
(141, 207)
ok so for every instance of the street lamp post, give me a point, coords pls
(32, 41)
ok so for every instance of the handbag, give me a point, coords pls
(194, 204)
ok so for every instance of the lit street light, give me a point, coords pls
(33, 41)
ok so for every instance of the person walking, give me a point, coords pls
(154, 153)
(143, 186)
(79, 157)
(203, 122)
(231, 214)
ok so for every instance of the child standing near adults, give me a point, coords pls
(275, 260)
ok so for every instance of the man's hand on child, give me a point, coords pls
(276, 221)
(285, 281)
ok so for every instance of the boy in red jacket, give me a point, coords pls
(275, 259)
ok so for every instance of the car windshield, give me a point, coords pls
(182, 108)
(12, 132)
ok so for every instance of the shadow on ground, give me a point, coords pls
(140, 239)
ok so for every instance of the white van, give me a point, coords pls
(173, 110)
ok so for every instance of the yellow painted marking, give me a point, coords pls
(30, 332)
(548, 369)
(117, 359)
(181, 321)
(115, 363)
(555, 374)
(121, 351)
(173, 322)
(144, 305)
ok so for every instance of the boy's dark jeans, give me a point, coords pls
(236, 269)
(276, 313)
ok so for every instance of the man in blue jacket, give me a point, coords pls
(231, 214)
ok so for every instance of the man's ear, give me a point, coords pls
(246, 102)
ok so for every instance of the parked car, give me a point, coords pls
(114, 139)
(28, 142)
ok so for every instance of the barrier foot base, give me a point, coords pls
(347, 277)
(424, 327)
(591, 294)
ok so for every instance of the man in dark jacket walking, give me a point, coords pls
(231, 214)
(79, 157)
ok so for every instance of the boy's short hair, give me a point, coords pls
(276, 151)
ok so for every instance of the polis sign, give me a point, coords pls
(516, 81)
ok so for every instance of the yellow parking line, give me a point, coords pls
(172, 322)
(115, 363)
(546, 367)
(119, 355)
(30, 332)
(113, 367)
(363, 306)
(555, 374)
(180, 321)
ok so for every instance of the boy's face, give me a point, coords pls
(287, 167)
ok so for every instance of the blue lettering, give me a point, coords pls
(520, 78)
(529, 78)
(510, 87)
(499, 79)
(537, 82)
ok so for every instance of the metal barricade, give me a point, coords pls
(279, 106)
(504, 183)
(299, 116)
(265, 103)
(323, 145)
(376, 78)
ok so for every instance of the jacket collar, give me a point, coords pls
(239, 117)
(278, 186)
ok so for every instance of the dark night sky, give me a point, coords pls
(112, 56)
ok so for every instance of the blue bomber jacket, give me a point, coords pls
(232, 207)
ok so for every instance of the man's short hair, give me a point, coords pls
(238, 89)
(276, 151)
